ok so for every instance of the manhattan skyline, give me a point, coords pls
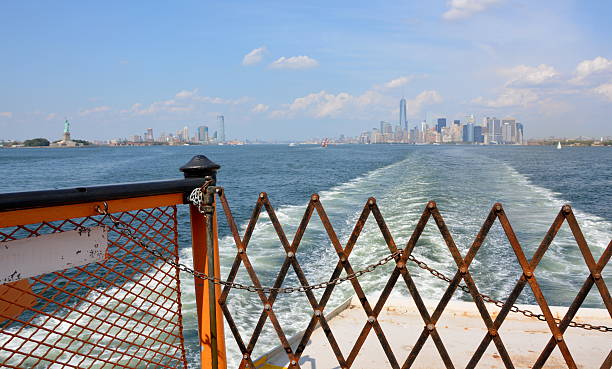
(114, 70)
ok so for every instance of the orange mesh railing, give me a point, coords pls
(122, 312)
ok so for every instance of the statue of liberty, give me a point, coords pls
(67, 131)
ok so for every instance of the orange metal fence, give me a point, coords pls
(123, 312)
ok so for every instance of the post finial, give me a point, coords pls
(199, 167)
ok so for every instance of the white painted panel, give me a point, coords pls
(48, 253)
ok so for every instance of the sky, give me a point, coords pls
(284, 70)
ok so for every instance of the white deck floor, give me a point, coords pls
(461, 329)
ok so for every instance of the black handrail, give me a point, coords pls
(195, 171)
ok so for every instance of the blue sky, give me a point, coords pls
(289, 70)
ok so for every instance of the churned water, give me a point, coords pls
(465, 181)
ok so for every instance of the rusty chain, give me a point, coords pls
(196, 199)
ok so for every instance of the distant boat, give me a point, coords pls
(559, 145)
(325, 143)
(292, 144)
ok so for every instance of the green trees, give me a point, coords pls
(36, 142)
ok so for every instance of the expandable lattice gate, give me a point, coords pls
(268, 295)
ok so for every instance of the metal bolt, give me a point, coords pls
(463, 270)
(290, 254)
(371, 319)
(493, 332)
(342, 258)
(262, 195)
(317, 312)
(401, 265)
(371, 201)
(315, 197)
(267, 307)
(218, 190)
(559, 337)
(293, 362)
(528, 274)
(597, 276)
(566, 209)
(240, 250)
(431, 205)
(430, 327)
(246, 356)
(498, 207)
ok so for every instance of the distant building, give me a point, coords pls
(468, 132)
(202, 134)
(403, 122)
(457, 122)
(221, 123)
(441, 123)
(478, 135)
(148, 136)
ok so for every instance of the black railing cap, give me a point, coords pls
(199, 167)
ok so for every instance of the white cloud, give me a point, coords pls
(184, 101)
(6, 114)
(97, 109)
(399, 82)
(428, 97)
(524, 75)
(509, 97)
(294, 62)
(587, 68)
(604, 90)
(465, 8)
(255, 56)
(344, 105)
(260, 108)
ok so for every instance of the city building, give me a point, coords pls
(441, 123)
(403, 122)
(221, 124)
(202, 134)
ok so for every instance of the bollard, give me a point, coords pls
(206, 260)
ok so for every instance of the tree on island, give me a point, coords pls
(36, 142)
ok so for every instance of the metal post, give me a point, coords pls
(206, 260)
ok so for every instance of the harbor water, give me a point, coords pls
(532, 183)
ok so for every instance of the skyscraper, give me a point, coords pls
(403, 122)
(441, 123)
(202, 134)
(149, 135)
(221, 123)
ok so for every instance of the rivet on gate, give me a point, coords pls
(493, 332)
(566, 209)
(431, 205)
(371, 201)
(241, 250)
(293, 362)
(218, 190)
(559, 338)
(371, 319)
(528, 274)
(463, 270)
(430, 327)
(267, 307)
(246, 356)
(262, 195)
(314, 197)
(290, 254)
(597, 276)
(317, 312)
(401, 265)
(498, 207)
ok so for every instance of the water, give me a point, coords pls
(465, 181)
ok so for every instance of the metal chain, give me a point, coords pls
(196, 198)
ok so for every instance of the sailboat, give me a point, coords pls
(559, 145)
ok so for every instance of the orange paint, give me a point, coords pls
(15, 297)
(51, 213)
